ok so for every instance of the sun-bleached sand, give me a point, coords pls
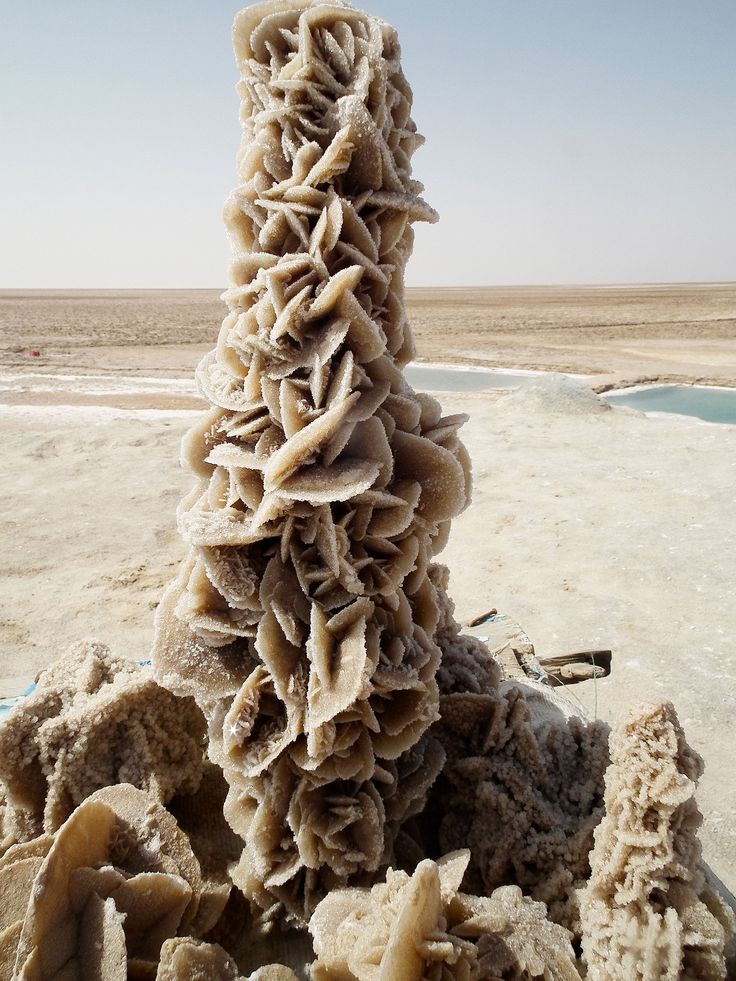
(591, 527)
(621, 335)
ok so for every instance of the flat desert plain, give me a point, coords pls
(590, 526)
(621, 335)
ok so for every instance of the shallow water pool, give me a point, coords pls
(709, 404)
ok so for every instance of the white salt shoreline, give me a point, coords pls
(630, 389)
(112, 385)
(589, 528)
(94, 413)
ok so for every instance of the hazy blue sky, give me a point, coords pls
(567, 140)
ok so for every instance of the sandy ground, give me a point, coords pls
(592, 528)
(621, 335)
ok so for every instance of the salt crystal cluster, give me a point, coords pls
(422, 927)
(99, 897)
(311, 626)
(93, 720)
(523, 793)
(188, 959)
(648, 910)
(303, 620)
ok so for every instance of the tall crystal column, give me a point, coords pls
(303, 620)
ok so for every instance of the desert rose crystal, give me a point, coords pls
(304, 618)
(648, 909)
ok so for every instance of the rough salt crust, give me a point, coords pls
(524, 796)
(467, 665)
(304, 620)
(647, 911)
(421, 928)
(187, 959)
(93, 720)
(99, 897)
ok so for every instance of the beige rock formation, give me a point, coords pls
(93, 720)
(98, 898)
(648, 911)
(187, 959)
(303, 621)
(418, 927)
(524, 793)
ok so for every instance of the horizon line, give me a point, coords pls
(633, 284)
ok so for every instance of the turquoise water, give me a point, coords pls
(710, 404)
